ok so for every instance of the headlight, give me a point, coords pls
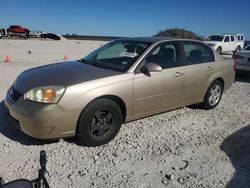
(45, 94)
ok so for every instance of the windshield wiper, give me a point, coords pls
(93, 63)
(97, 64)
(83, 61)
(87, 62)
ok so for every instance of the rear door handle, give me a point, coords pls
(209, 69)
(178, 74)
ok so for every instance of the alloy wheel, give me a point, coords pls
(102, 123)
(215, 94)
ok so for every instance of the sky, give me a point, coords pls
(128, 18)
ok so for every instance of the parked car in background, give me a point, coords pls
(35, 34)
(242, 59)
(247, 42)
(17, 29)
(50, 36)
(226, 43)
(124, 80)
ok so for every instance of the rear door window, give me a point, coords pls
(232, 38)
(197, 53)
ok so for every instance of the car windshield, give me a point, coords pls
(215, 38)
(117, 55)
(247, 48)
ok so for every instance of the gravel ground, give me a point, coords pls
(188, 147)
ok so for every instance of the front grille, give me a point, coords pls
(15, 94)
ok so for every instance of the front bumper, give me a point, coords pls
(43, 121)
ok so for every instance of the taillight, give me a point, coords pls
(234, 67)
(235, 58)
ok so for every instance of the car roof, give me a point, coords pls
(154, 39)
(235, 34)
(15, 26)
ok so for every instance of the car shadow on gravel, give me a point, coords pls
(242, 77)
(8, 129)
(237, 148)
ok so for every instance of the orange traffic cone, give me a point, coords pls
(7, 59)
(66, 57)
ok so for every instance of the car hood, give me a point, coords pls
(211, 42)
(66, 74)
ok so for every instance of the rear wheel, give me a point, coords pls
(99, 122)
(213, 95)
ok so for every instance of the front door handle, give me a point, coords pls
(209, 69)
(178, 74)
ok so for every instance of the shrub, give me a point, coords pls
(178, 33)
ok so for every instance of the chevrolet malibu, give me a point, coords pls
(122, 81)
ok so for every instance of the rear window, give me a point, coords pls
(240, 38)
(196, 53)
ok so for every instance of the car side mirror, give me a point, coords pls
(153, 67)
(150, 67)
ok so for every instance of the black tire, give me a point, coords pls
(219, 50)
(99, 122)
(210, 103)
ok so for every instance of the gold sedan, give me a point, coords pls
(122, 81)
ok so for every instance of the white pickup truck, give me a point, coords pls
(226, 42)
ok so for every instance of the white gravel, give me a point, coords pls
(187, 147)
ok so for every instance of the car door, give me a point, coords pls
(233, 45)
(197, 69)
(159, 91)
(227, 44)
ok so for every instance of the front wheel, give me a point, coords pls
(213, 95)
(219, 50)
(99, 122)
